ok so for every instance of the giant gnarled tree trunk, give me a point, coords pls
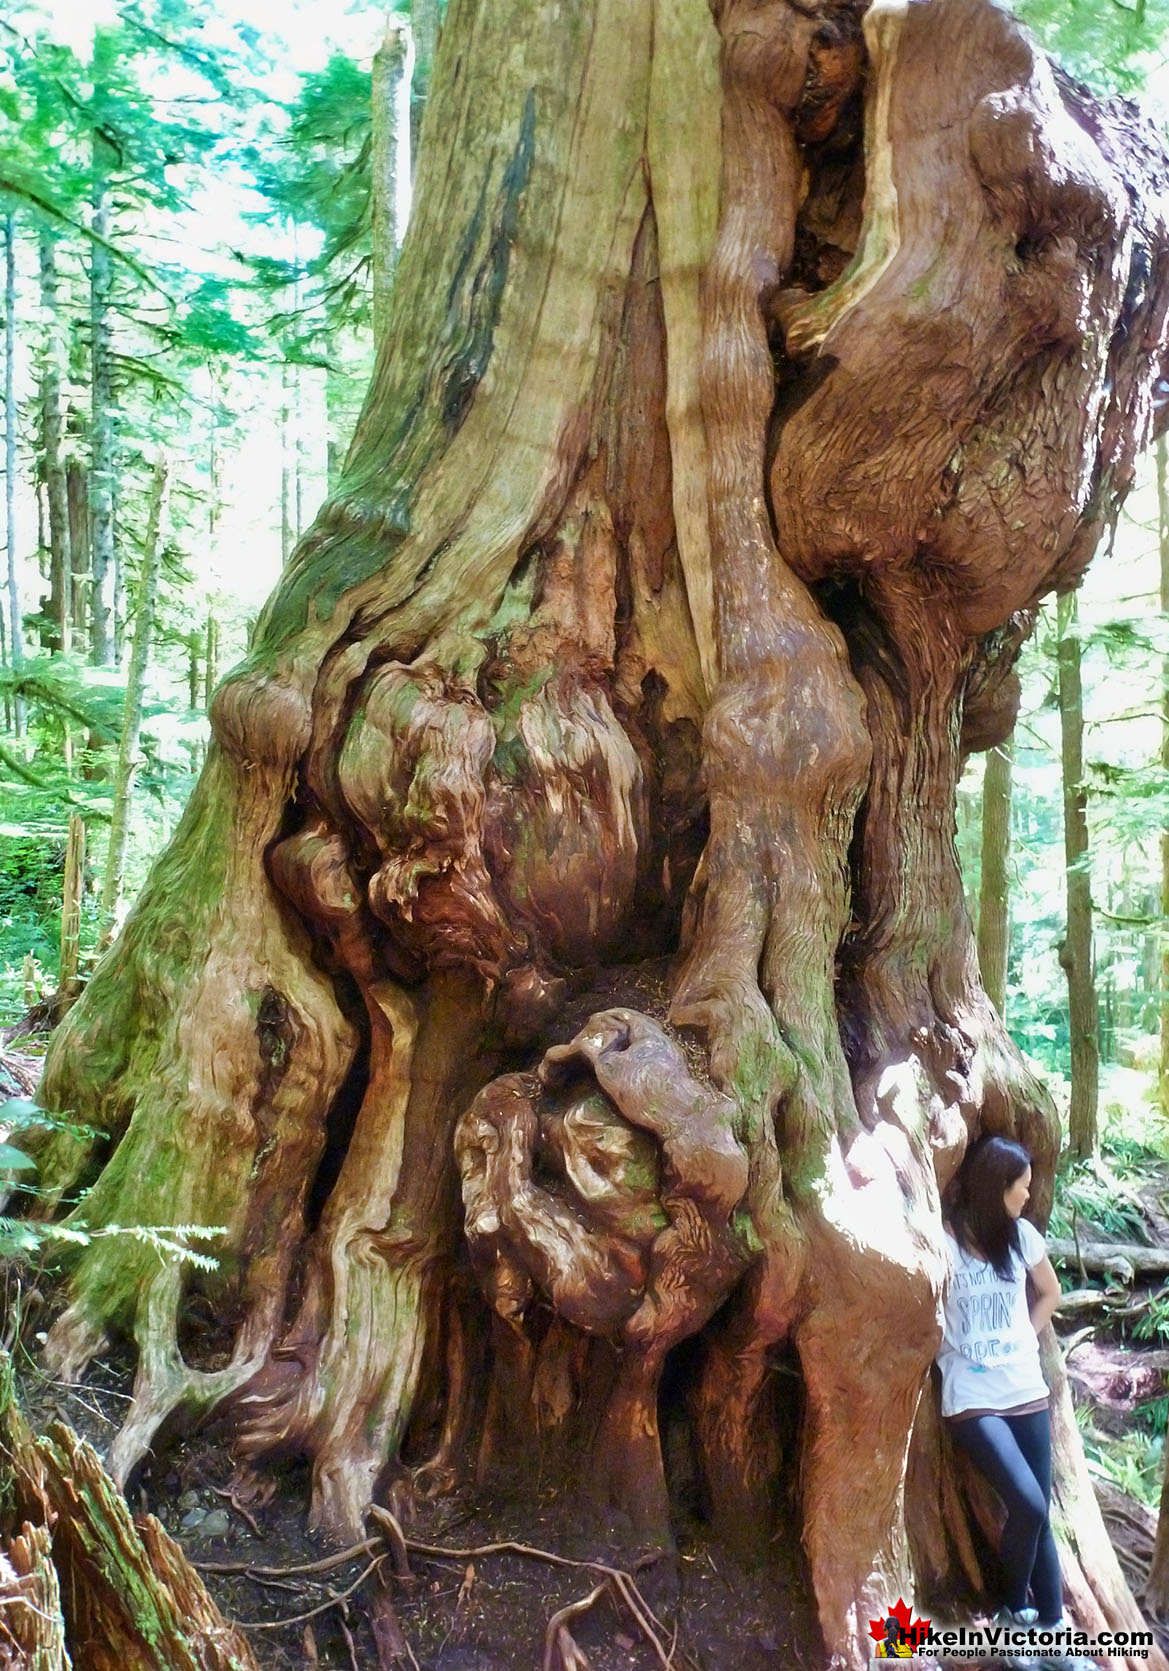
(585, 808)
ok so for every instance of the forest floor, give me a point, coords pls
(465, 1606)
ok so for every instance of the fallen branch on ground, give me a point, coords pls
(1119, 1307)
(1098, 1256)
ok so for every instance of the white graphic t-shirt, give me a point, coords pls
(989, 1356)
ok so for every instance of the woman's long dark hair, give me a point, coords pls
(974, 1201)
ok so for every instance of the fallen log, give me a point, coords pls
(1101, 1256)
(1076, 1300)
(1117, 1306)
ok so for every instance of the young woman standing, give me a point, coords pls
(1002, 1291)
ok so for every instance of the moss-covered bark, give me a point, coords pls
(585, 809)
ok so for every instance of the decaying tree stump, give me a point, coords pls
(585, 807)
(82, 1583)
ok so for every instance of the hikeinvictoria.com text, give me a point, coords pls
(1027, 1641)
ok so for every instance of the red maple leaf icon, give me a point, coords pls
(914, 1629)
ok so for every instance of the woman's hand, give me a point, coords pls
(1045, 1294)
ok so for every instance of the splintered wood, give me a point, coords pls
(85, 1585)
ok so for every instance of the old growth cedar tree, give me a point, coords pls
(567, 917)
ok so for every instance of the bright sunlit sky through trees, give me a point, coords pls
(295, 37)
(302, 32)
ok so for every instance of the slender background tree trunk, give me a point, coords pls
(135, 692)
(77, 491)
(102, 439)
(994, 895)
(71, 912)
(52, 422)
(210, 660)
(424, 24)
(118, 595)
(1075, 952)
(11, 425)
(287, 464)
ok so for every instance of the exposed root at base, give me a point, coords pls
(614, 1580)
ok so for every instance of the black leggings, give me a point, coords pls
(1014, 1452)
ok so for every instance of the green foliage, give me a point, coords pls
(314, 170)
(1125, 647)
(320, 176)
(31, 872)
(209, 324)
(63, 688)
(1155, 1415)
(1101, 1192)
(1153, 1323)
(37, 792)
(23, 1240)
(1135, 1462)
(1114, 46)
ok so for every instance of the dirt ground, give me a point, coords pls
(462, 1606)
(459, 1608)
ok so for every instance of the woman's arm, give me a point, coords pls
(1045, 1293)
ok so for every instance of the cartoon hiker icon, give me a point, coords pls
(894, 1646)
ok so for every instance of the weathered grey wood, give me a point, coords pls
(1098, 1256)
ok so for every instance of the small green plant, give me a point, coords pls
(1155, 1414)
(22, 1240)
(1096, 1193)
(1153, 1323)
(1133, 1462)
